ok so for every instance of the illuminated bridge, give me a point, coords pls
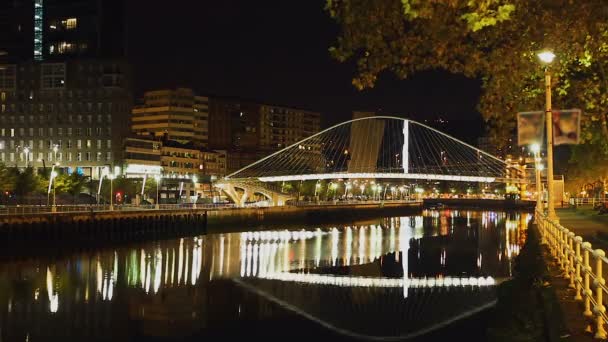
(370, 148)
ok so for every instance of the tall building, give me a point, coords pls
(44, 30)
(283, 126)
(74, 113)
(65, 88)
(173, 115)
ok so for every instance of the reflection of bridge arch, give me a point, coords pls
(377, 147)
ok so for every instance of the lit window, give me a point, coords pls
(70, 23)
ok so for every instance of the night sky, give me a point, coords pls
(277, 52)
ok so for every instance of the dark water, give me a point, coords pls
(422, 277)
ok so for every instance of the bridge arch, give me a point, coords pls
(378, 147)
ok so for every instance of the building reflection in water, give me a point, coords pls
(99, 294)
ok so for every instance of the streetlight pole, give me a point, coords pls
(26, 150)
(52, 178)
(54, 193)
(55, 149)
(157, 178)
(538, 168)
(111, 176)
(547, 57)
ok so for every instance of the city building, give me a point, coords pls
(74, 113)
(187, 171)
(172, 115)
(283, 126)
(248, 130)
(65, 88)
(45, 30)
(141, 158)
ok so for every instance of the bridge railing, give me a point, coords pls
(349, 202)
(582, 266)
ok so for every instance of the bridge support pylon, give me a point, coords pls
(248, 189)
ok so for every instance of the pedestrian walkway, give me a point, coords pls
(585, 223)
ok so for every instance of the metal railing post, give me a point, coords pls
(577, 275)
(599, 308)
(570, 270)
(587, 270)
(560, 254)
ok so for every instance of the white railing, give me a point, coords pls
(581, 265)
(592, 201)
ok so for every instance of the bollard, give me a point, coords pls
(587, 269)
(570, 259)
(577, 275)
(599, 308)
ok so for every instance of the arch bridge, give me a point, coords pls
(369, 148)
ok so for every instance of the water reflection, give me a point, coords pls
(180, 285)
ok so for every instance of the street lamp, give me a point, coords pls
(194, 181)
(55, 149)
(111, 176)
(546, 57)
(26, 150)
(333, 187)
(52, 178)
(157, 178)
(48, 193)
(346, 188)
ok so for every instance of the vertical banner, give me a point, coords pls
(530, 127)
(566, 126)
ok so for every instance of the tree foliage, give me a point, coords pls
(72, 184)
(493, 40)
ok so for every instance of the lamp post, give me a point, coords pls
(535, 148)
(194, 181)
(111, 176)
(546, 57)
(334, 187)
(55, 149)
(51, 177)
(26, 150)
(157, 178)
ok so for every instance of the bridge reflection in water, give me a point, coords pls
(392, 277)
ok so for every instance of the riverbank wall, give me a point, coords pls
(475, 203)
(86, 228)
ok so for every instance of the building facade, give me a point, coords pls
(74, 113)
(172, 115)
(283, 126)
(65, 87)
(248, 130)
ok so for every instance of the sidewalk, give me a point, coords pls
(586, 223)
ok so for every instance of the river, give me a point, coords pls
(386, 279)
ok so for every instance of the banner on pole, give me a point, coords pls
(566, 126)
(530, 127)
